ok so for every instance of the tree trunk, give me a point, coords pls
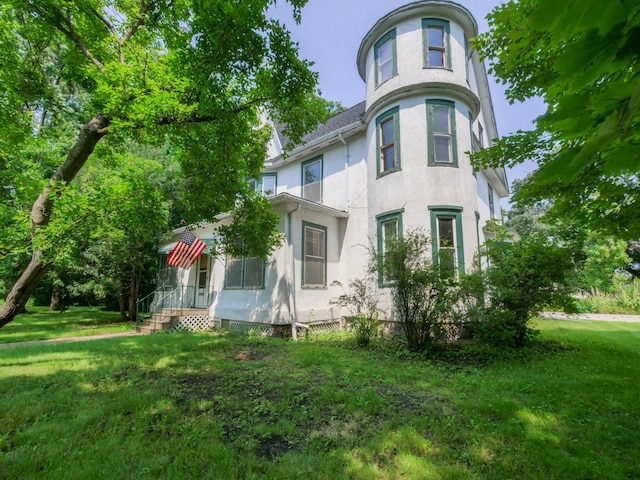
(122, 305)
(90, 135)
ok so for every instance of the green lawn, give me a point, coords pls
(223, 406)
(43, 324)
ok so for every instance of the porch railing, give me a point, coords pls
(170, 302)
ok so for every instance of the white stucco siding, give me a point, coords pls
(418, 185)
(410, 61)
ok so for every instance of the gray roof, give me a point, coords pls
(348, 117)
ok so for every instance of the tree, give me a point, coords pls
(582, 58)
(201, 74)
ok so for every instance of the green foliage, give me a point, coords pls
(522, 278)
(362, 300)
(604, 259)
(623, 299)
(230, 406)
(423, 298)
(581, 57)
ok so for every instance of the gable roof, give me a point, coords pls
(347, 117)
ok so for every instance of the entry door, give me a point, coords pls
(202, 283)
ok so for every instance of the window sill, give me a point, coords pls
(388, 172)
(378, 85)
(314, 287)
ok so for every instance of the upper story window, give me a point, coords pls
(481, 135)
(441, 133)
(492, 212)
(387, 141)
(467, 56)
(266, 185)
(386, 65)
(312, 180)
(435, 33)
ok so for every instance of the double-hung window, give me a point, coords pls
(441, 133)
(387, 141)
(385, 57)
(314, 255)
(266, 185)
(389, 230)
(446, 240)
(435, 34)
(492, 213)
(312, 180)
(244, 272)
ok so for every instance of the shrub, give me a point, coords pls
(423, 298)
(522, 278)
(362, 302)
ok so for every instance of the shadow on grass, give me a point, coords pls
(227, 406)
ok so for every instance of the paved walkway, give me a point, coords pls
(603, 317)
(56, 341)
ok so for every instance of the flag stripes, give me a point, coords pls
(187, 251)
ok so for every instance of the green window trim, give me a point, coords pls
(310, 194)
(307, 227)
(243, 274)
(432, 107)
(392, 115)
(439, 49)
(445, 212)
(492, 210)
(382, 219)
(390, 36)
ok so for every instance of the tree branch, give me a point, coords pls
(64, 25)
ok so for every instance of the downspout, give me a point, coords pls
(290, 275)
(346, 168)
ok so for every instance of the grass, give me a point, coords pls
(40, 323)
(224, 406)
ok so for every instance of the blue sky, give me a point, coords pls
(331, 32)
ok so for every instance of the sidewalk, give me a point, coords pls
(601, 317)
(55, 341)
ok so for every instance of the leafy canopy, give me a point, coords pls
(582, 58)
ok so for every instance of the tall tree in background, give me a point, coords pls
(582, 57)
(200, 73)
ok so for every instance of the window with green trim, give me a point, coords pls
(384, 50)
(446, 240)
(314, 255)
(244, 272)
(388, 141)
(441, 133)
(389, 229)
(266, 185)
(492, 213)
(312, 180)
(435, 34)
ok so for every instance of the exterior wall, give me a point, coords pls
(351, 181)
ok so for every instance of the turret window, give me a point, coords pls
(441, 133)
(387, 141)
(435, 33)
(385, 58)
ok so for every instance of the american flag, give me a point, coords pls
(187, 251)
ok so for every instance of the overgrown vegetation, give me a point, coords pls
(228, 406)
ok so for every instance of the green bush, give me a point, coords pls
(522, 278)
(365, 327)
(423, 297)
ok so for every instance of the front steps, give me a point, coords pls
(166, 320)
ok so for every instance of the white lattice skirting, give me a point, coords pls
(195, 322)
(252, 328)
